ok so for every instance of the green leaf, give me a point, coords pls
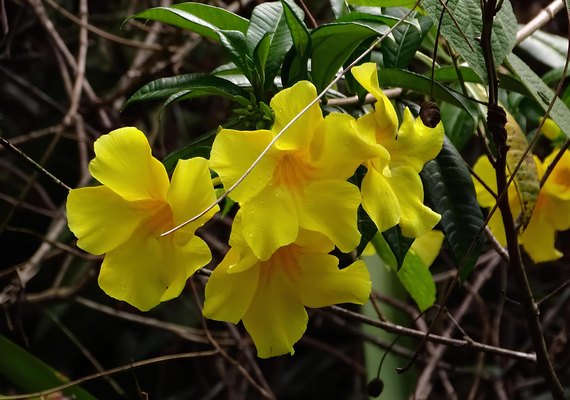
(271, 18)
(240, 53)
(200, 84)
(416, 278)
(467, 14)
(540, 92)
(507, 82)
(398, 243)
(339, 8)
(367, 229)
(382, 3)
(31, 374)
(371, 16)
(423, 84)
(196, 17)
(299, 32)
(334, 43)
(399, 49)
(260, 54)
(450, 192)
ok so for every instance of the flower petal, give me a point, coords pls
(191, 192)
(229, 295)
(322, 284)
(287, 104)
(538, 240)
(415, 143)
(92, 214)
(269, 221)
(330, 207)
(485, 171)
(557, 212)
(123, 162)
(384, 113)
(379, 200)
(185, 260)
(233, 152)
(313, 241)
(427, 246)
(417, 219)
(276, 318)
(338, 148)
(145, 271)
(558, 183)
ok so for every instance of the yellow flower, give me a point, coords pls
(270, 296)
(126, 215)
(551, 212)
(550, 129)
(392, 191)
(301, 181)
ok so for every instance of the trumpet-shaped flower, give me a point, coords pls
(551, 212)
(392, 191)
(126, 215)
(270, 296)
(301, 181)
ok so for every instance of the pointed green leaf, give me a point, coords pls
(240, 53)
(450, 192)
(399, 49)
(196, 17)
(299, 32)
(367, 229)
(416, 278)
(200, 84)
(507, 82)
(271, 18)
(459, 127)
(398, 243)
(467, 15)
(31, 374)
(540, 92)
(334, 43)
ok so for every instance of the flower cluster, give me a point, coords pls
(551, 212)
(295, 206)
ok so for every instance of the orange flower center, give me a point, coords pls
(292, 171)
(284, 260)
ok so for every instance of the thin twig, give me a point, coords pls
(542, 18)
(402, 330)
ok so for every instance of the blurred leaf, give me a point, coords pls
(31, 374)
(547, 48)
(467, 14)
(398, 243)
(540, 92)
(334, 43)
(416, 278)
(199, 84)
(423, 84)
(450, 192)
(196, 17)
(459, 127)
